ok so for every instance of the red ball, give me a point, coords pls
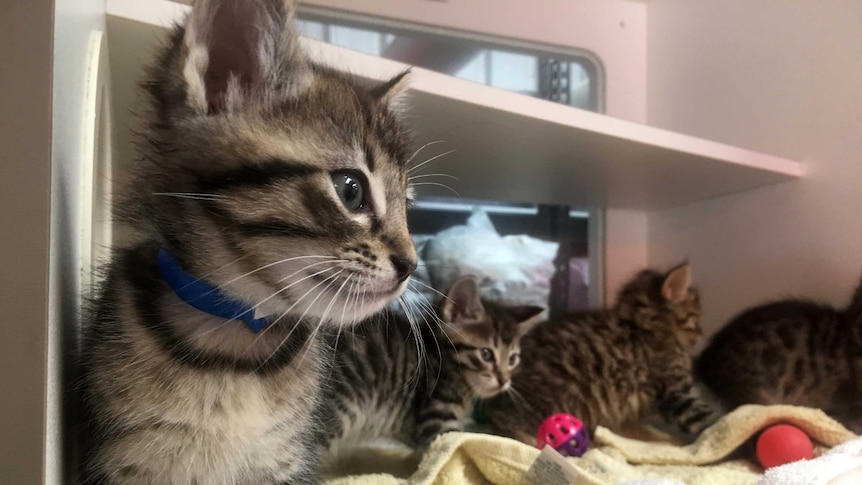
(781, 444)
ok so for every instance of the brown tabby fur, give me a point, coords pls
(792, 351)
(611, 367)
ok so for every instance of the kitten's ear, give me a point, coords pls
(462, 304)
(234, 50)
(393, 93)
(676, 284)
(527, 317)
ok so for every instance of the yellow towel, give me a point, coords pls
(471, 458)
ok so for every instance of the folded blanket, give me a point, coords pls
(472, 458)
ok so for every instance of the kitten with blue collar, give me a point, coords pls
(271, 202)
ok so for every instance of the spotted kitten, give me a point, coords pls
(393, 380)
(614, 367)
(271, 203)
(792, 351)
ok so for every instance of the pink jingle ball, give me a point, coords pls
(565, 433)
(782, 444)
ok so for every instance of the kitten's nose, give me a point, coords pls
(404, 266)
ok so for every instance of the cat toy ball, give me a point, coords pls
(782, 444)
(565, 433)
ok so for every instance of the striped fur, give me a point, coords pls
(393, 380)
(284, 184)
(792, 351)
(614, 367)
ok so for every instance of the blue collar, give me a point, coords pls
(204, 296)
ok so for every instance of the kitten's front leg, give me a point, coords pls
(437, 419)
(446, 410)
(680, 403)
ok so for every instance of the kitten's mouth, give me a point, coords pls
(489, 392)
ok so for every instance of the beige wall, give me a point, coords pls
(42, 90)
(25, 164)
(782, 77)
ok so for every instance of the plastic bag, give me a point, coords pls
(512, 269)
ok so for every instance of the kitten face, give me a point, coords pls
(664, 301)
(282, 182)
(486, 336)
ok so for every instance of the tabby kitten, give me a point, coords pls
(270, 203)
(792, 351)
(612, 367)
(395, 380)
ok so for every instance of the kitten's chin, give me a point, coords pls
(487, 393)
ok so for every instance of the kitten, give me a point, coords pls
(791, 351)
(613, 367)
(271, 201)
(395, 380)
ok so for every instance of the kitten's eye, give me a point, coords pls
(487, 354)
(513, 359)
(350, 190)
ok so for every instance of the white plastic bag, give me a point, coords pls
(513, 269)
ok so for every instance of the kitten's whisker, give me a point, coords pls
(349, 296)
(334, 265)
(418, 166)
(522, 401)
(298, 321)
(334, 297)
(424, 356)
(435, 290)
(437, 265)
(322, 320)
(514, 396)
(356, 297)
(423, 312)
(220, 268)
(416, 338)
(435, 142)
(439, 321)
(355, 307)
(319, 293)
(274, 263)
(342, 325)
(425, 175)
(286, 312)
(226, 322)
(191, 195)
(437, 184)
(218, 327)
(428, 309)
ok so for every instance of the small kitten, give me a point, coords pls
(270, 201)
(612, 367)
(791, 351)
(401, 379)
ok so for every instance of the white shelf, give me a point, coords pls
(514, 147)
